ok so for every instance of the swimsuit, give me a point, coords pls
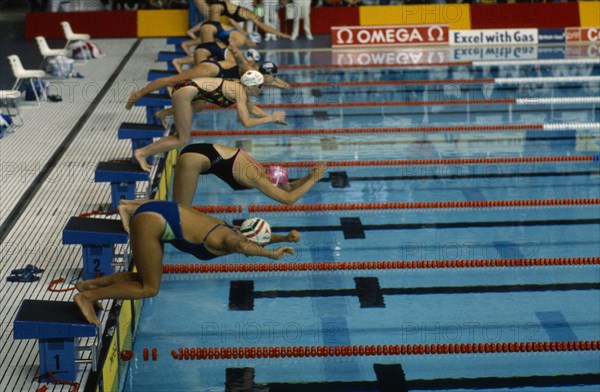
(172, 232)
(220, 167)
(216, 52)
(229, 73)
(216, 96)
(236, 14)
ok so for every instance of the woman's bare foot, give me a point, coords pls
(124, 213)
(98, 305)
(87, 308)
(161, 116)
(141, 158)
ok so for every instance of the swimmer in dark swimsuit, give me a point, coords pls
(157, 222)
(238, 169)
(191, 95)
(212, 29)
(214, 9)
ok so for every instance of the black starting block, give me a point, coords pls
(56, 325)
(122, 177)
(97, 237)
(154, 103)
(141, 135)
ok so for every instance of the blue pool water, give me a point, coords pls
(401, 306)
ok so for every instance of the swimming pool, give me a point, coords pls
(452, 246)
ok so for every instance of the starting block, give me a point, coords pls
(141, 135)
(154, 74)
(154, 103)
(56, 325)
(177, 41)
(122, 177)
(97, 237)
(168, 57)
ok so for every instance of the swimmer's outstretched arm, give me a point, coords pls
(316, 172)
(238, 244)
(292, 236)
(270, 80)
(294, 191)
(240, 60)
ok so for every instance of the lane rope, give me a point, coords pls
(548, 79)
(203, 353)
(216, 209)
(543, 101)
(420, 82)
(421, 205)
(440, 161)
(447, 128)
(344, 66)
(376, 265)
(491, 63)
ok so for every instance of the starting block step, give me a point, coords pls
(97, 237)
(153, 103)
(154, 100)
(122, 177)
(170, 56)
(177, 40)
(56, 325)
(154, 74)
(137, 131)
(141, 135)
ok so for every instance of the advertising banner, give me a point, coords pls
(582, 34)
(551, 36)
(361, 36)
(493, 37)
(404, 56)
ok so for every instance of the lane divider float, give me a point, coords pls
(203, 353)
(377, 265)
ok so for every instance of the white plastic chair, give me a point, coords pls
(71, 36)
(8, 99)
(47, 52)
(21, 74)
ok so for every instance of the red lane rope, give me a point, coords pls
(465, 128)
(320, 66)
(420, 205)
(202, 353)
(440, 161)
(379, 104)
(218, 209)
(376, 265)
(57, 281)
(74, 385)
(96, 212)
(393, 82)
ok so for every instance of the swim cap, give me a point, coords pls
(278, 176)
(254, 36)
(252, 78)
(268, 68)
(256, 230)
(252, 54)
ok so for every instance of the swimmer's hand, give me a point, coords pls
(293, 236)
(282, 251)
(319, 170)
(279, 117)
